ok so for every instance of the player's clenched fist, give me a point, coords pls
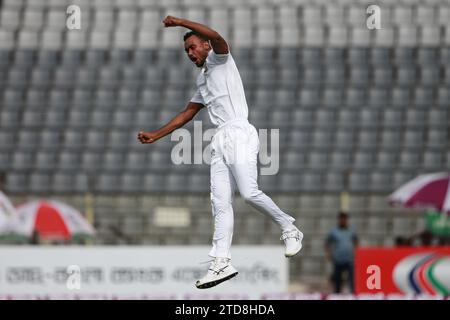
(146, 137)
(171, 21)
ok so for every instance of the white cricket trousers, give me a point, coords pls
(234, 151)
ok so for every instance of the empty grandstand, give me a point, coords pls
(359, 112)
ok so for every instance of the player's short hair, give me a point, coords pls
(187, 35)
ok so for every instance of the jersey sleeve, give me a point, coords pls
(218, 58)
(197, 98)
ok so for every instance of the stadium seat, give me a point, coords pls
(437, 117)
(285, 98)
(333, 181)
(404, 56)
(69, 160)
(279, 119)
(333, 98)
(131, 183)
(380, 181)
(430, 36)
(289, 182)
(198, 182)
(443, 97)
(106, 182)
(18, 78)
(340, 160)
(383, 77)
(62, 183)
(7, 139)
(335, 76)
(265, 77)
(358, 181)
(312, 76)
(33, 118)
(345, 139)
(369, 118)
(437, 138)
(101, 119)
(309, 98)
(363, 159)
(16, 182)
(50, 139)
(13, 98)
(325, 118)
(409, 159)
(423, 97)
(10, 19)
(359, 76)
(433, 160)
(355, 97)
(22, 160)
(413, 139)
(427, 56)
(386, 160)
(39, 182)
(112, 161)
(317, 160)
(390, 138)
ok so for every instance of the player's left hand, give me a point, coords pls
(146, 137)
(171, 21)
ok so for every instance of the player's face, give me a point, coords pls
(197, 50)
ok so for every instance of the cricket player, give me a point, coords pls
(234, 146)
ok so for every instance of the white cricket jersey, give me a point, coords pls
(220, 89)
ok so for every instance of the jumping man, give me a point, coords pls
(234, 146)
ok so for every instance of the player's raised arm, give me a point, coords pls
(178, 121)
(218, 43)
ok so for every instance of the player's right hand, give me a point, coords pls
(146, 137)
(171, 21)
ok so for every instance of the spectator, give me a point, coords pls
(401, 241)
(339, 245)
(35, 238)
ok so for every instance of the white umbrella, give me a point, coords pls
(425, 191)
(51, 220)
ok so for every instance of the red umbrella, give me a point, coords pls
(425, 191)
(51, 220)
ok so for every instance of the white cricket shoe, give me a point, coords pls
(293, 241)
(219, 271)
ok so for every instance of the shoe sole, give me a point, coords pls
(293, 254)
(215, 283)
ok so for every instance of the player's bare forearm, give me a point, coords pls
(177, 122)
(149, 137)
(218, 43)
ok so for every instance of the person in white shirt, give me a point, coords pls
(234, 147)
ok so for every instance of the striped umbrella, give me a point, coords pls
(425, 192)
(52, 220)
(7, 213)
